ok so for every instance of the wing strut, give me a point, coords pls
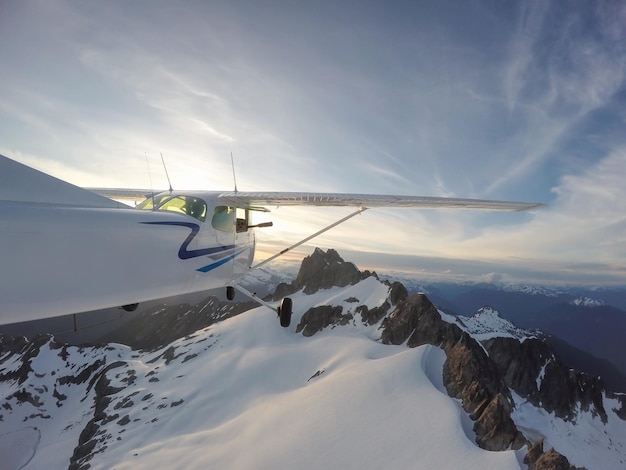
(295, 245)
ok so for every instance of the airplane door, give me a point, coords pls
(227, 228)
(224, 235)
(244, 243)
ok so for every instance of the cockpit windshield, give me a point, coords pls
(152, 202)
(183, 204)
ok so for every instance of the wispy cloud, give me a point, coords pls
(584, 224)
(564, 64)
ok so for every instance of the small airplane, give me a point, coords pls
(66, 249)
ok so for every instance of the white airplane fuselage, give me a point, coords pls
(66, 259)
(64, 249)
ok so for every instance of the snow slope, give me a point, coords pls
(247, 394)
(587, 441)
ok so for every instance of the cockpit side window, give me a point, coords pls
(196, 208)
(223, 219)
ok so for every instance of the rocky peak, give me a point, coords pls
(322, 270)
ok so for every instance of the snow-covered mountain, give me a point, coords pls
(587, 302)
(591, 320)
(366, 377)
(487, 323)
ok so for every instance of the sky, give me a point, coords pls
(481, 99)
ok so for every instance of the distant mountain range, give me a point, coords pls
(367, 376)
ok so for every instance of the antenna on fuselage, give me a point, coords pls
(232, 163)
(166, 174)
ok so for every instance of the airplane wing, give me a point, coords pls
(257, 200)
(21, 183)
(124, 193)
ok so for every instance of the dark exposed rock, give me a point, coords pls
(59, 396)
(27, 350)
(416, 321)
(325, 270)
(124, 421)
(102, 384)
(560, 390)
(10, 345)
(621, 398)
(84, 375)
(494, 428)
(552, 460)
(24, 396)
(537, 459)
(169, 355)
(81, 452)
(87, 441)
(322, 270)
(188, 357)
(317, 374)
(397, 293)
(131, 377)
(371, 316)
(317, 318)
(468, 373)
(125, 403)
(534, 452)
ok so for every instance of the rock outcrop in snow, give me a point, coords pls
(468, 372)
(322, 270)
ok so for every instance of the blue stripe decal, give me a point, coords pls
(219, 263)
(183, 252)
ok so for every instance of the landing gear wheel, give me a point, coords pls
(230, 292)
(130, 307)
(284, 312)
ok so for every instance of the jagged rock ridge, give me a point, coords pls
(487, 357)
